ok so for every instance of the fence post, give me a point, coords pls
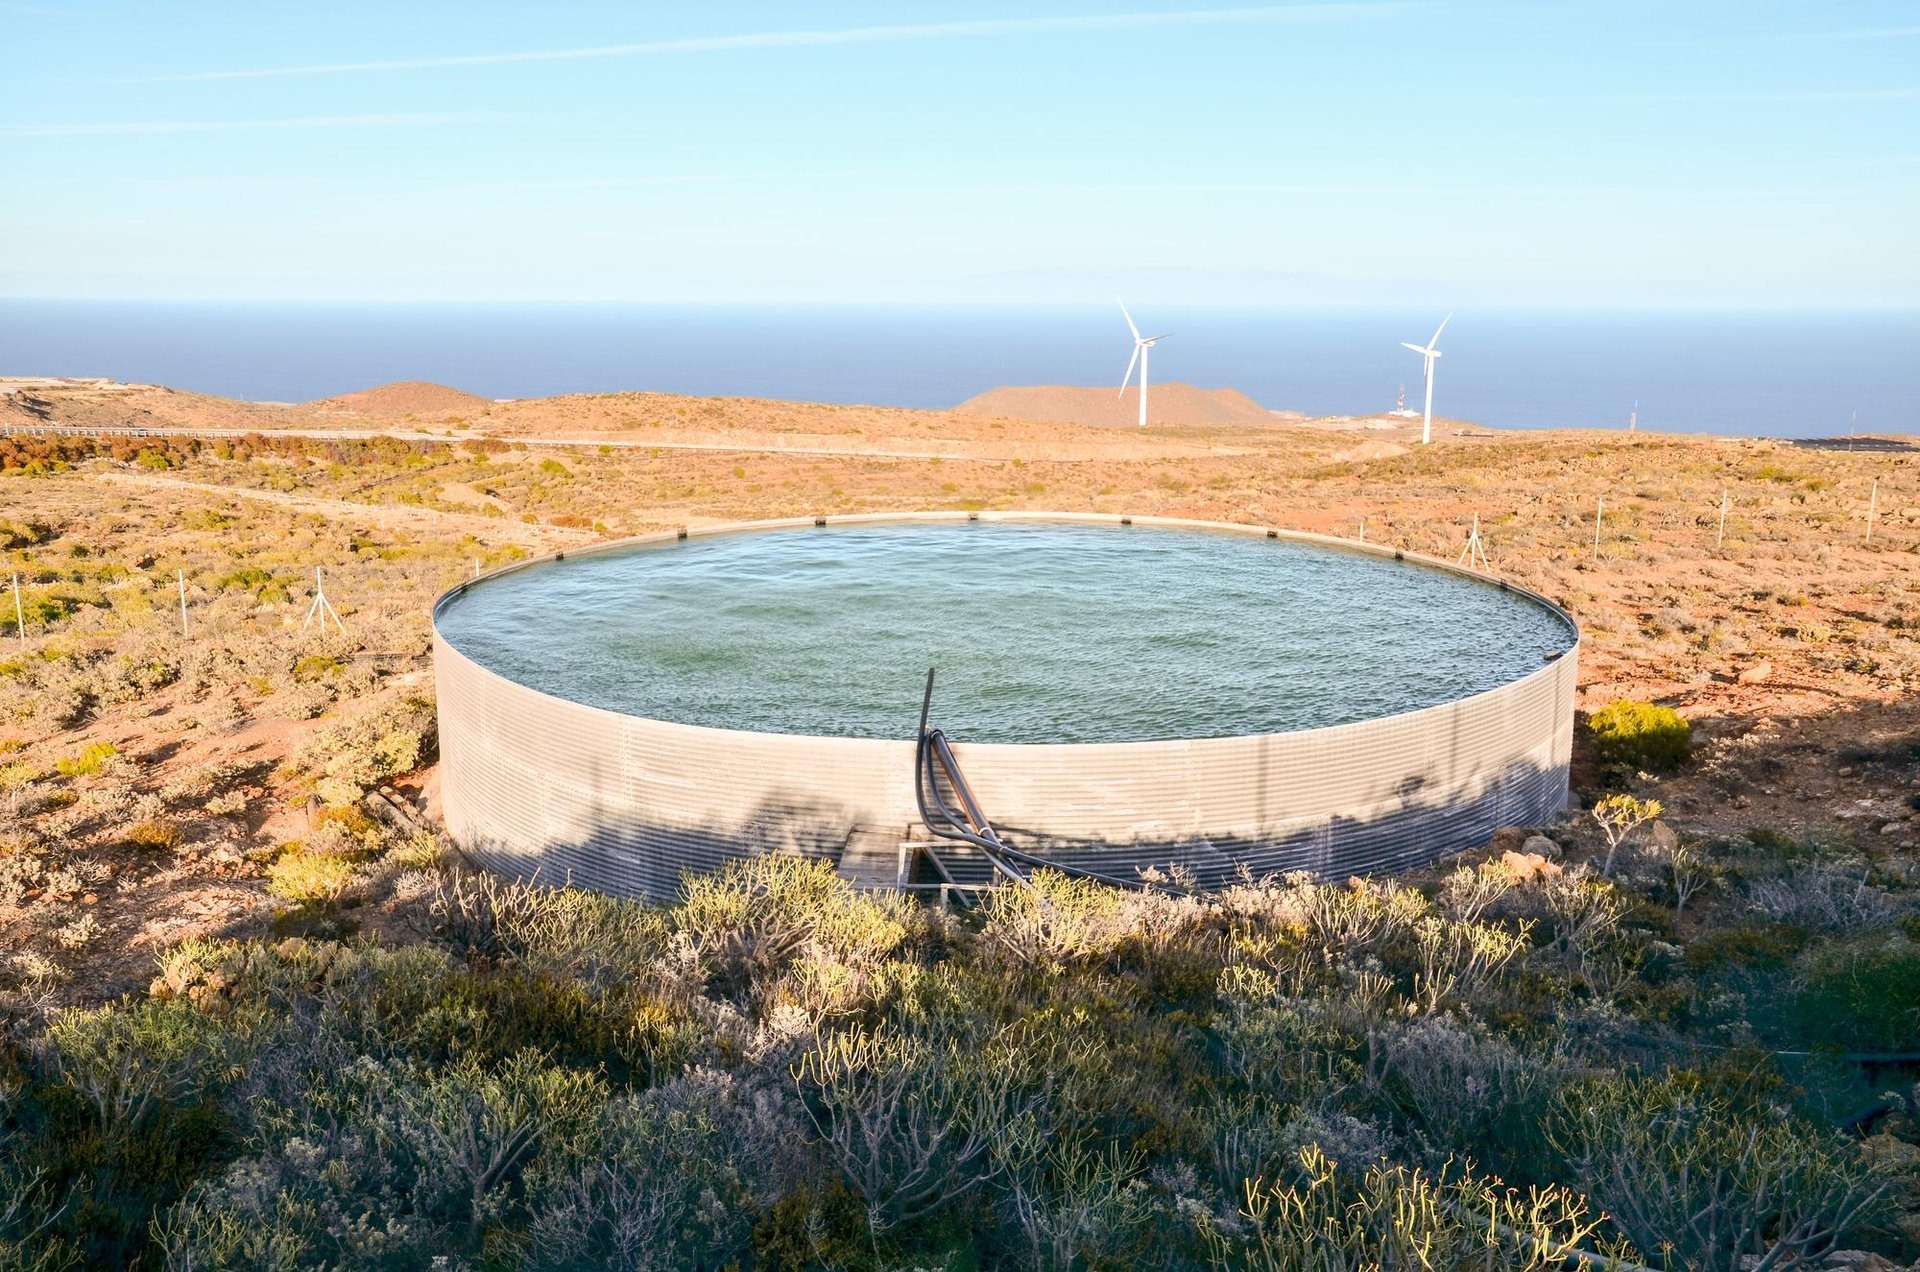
(19, 614)
(322, 609)
(1474, 555)
(182, 576)
(1721, 538)
(1873, 502)
(1599, 510)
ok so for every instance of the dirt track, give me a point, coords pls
(387, 516)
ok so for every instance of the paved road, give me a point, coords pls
(1868, 444)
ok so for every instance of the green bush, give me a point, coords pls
(23, 534)
(1387, 1216)
(19, 773)
(40, 612)
(757, 919)
(311, 667)
(438, 1160)
(1860, 995)
(125, 1062)
(265, 586)
(782, 1071)
(309, 878)
(347, 759)
(668, 1171)
(1640, 735)
(1695, 1182)
(87, 762)
(1749, 945)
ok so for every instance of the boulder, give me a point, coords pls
(1508, 839)
(1889, 1150)
(1757, 674)
(1528, 865)
(1541, 846)
(1662, 838)
(1860, 1261)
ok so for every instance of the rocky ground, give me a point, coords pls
(1789, 639)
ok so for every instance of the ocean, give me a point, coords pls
(1753, 373)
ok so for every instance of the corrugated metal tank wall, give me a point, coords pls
(541, 788)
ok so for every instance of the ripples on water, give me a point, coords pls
(1041, 632)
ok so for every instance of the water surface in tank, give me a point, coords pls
(1042, 632)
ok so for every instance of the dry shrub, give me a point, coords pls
(17, 785)
(1467, 1090)
(160, 836)
(1388, 1216)
(20, 873)
(1826, 896)
(1682, 1174)
(908, 1118)
(1299, 928)
(309, 878)
(1471, 891)
(196, 786)
(1058, 919)
(569, 931)
(772, 928)
(345, 760)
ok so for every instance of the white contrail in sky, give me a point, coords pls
(1776, 95)
(239, 125)
(813, 39)
(1876, 33)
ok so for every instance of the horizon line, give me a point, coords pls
(1096, 302)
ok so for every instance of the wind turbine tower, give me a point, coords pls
(1141, 344)
(1429, 351)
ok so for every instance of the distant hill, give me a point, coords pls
(403, 398)
(1174, 402)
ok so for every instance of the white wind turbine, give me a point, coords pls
(1429, 352)
(1140, 346)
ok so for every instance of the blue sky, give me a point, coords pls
(1607, 152)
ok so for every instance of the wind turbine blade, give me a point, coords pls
(1437, 330)
(1131, 362)
(1129, 317)
(1419, 349)
(1162, 336)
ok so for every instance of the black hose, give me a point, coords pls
(960, 825)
